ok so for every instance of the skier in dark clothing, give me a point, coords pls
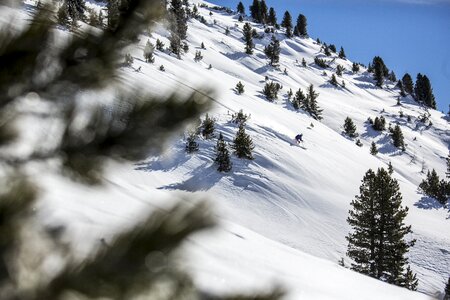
(299, 138)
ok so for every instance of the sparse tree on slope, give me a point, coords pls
(243, 144)
(240, 88)
(373, 149)
(272, 18)
(350, 128)
(287, 24)
(208, 126)
(342, 53)
(302, 26)
(273, 51)
(313, 108)
(408, 84)
(222, 156)
(424, 91)
(191, 143)
(240, 8)
(397, 137)
(377, 242)
(247, 30)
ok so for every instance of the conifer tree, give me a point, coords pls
(243, 144)
(339, 70)
(175, 44)
(402, 89)
(287, 24)
(448, 166)
(222, 156)
(302, 25)
(447, 290)
(255, 11)
(191, 143)
(350, 128)
(332, 48)
(303, 62)
(342, 53)
(240, 88)
(148, 52)
(273, 51)
(392, 77)
(373, 149)
(390, 168)
(326, 50)
(296, 32)
(263, 12)
(333, 80)
(240, 8)
(75, 9)
(378, 74)
(359, 143)
(408, 84)
(178, 14)
(271, 90)
(433, 187)
(247, 30)
(272, 17)
(299, 100)
(355, 67)
(379, 124)
(424, 92)
(377, 242)
(208, 126)
(313, 108)
(397, 137)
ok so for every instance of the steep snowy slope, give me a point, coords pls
(290, 202)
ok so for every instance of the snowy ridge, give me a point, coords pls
(282, 216)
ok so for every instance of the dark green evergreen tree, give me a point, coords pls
(350, 128)
(175, 44)
(333, 80)
(342, 53)
(240, 88)
(380, 70)
(240, 8)
(448, 166)
(377, 242)
(178, 18)
(424, 92)
(303, 62)
(148, 52)
(263, 12)
(272, 50)
(272, 18)
(222, 156)
(433, 187)
(390, 168)
(302, 25)
(355, 68)
(332, 48)
(287, 24)
(75, 9)
(392, 77)
(373, 149)
(191, 143)
(255, 11)
(313, 108)
(447, 290)
(208, 126)
(397, 137)
(271, 90)
(299, 100)
(243, 144)
(326, 50)
(401, 88)
(408, 84)
(247, 30)
(379, 124)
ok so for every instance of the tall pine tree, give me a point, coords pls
(272, 50)
(302, 26)
(222, 156)
(272, 17)
(240, 8)
(243, 144)
(350, 128)
(377, 243)
(408, 84)
(424, 91)
(248, 38)
(287, 24)
(313, 107)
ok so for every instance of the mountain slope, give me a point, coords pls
(290, 199)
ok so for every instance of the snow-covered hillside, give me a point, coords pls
(282, 217)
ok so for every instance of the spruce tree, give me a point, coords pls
(271, 90)
(355, 67)
(342, 53)
(397, 137)
(390, 168)
(191, 143)
(255, 11)
(377, 242)
(222, 156)
(302, 25)
(273, 51)
(243, 144)
(208, 126)
(313, 108)
(333, 80)
(303, 62)
(299, 100)
(373, 149)
(175, 44)
(263, 12)
(240, 88)
(433, 187)
(408, 84)
(447, 290)
(247, 30)
(179, 19)
(332, 48)
(350, 128)
(240, 8)
(401, 88)
(424, 91)
(378, 74)
(272, 18)
(287, 24)
(392, 77)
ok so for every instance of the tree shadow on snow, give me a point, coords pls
(429, 203)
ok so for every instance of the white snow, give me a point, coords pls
(283, 215)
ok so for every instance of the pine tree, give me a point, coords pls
(208, 126)
(301, 25)
(240, 88)
(392, 77)
(287, 24)
(271, 90)
(313, 109)
(424, 91)
(377, 242)
(179, 19)
(263, 12)
(359, 143)
(148, 52)
(339, 70)
(355, 68)
(255, 11)
(272, 18)
(299, 100)
(378, 74)
(433, 187)
(222, 156)
(350, 128)
(273, 51)
(175, 44)
(448, 166)
(332, 48)
(397, 137)
(243, 144)
(401, 88)
(191, 143)
(447, 290)
(379, 124)
(373, 149)
(240, 8)
(333, 80)
(408, 84)
(390, 168)
(247, 30)
(342, 53)
(75, 9)
(326, 50)
(303, 62)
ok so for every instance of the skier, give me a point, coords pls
(299, 138)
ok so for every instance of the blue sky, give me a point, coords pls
(410, 35)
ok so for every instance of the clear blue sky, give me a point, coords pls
(410, 35)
